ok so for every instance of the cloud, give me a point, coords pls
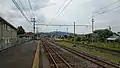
(78, 10)
(38, 4)
(13, 15)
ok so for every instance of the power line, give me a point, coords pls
(18, 7)
(62, 10)
(30, 4)
(65, 7)
(108, 5)
(61, 6)
(59, 10)
(110, 10)
(23, 8)
(105, 11)
(105, 7)
(60, 25)
(31, 9)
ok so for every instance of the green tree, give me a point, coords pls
(20, 30)
(65, 36)
(78, 39)
(103, 34)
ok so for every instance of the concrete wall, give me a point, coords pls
(7, 33)
(1, 30)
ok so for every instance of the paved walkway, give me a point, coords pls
(20, 56)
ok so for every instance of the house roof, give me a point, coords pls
(118, 33)
(4, 21)
(113, 37)
(27, 34)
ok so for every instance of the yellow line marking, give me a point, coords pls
(36, 58)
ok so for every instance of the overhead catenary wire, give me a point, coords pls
(31, 9)
(65, 7)
(105, 11)
(23, 8)
(110, 10)
(60, 25)
(59, 9)
(105, 7)
(60, 12)
(18, 7)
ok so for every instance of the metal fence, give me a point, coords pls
(12, 42)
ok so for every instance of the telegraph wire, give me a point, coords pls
(108, 5)
(65, 7)
(31, 9)
(105, 7)
(110, 10)
(18, 7)
(105, 12)
(59, 10)
(24, 10)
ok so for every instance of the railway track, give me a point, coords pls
(95, 60)
(97, 47)
(57, 60)
(99, 62)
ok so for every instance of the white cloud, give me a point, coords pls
(78, 10)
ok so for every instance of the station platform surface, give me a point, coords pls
(19, 56)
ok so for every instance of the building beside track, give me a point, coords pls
(114, 38)
(8, 32)
(27, 35)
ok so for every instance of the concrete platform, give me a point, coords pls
(19, 56)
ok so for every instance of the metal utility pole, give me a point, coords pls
(74, 28)
(37, 33)
(109, 27)
(93, 22)
(36, 30)
(33, 20)
(74, 32)
(92, 25)
(92, 28)
(67, 30)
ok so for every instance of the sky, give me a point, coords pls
(79, 11)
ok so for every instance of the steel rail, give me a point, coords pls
(51, 57)
(57, 54)
(90, 58)
(62, 59)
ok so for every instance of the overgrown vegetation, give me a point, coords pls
(102, 34)
(20, 30)
(103, 54)
(99, 39)
(114, 46)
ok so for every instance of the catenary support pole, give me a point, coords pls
(33, 20)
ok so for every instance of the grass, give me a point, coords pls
(114, 46)
(104, 55)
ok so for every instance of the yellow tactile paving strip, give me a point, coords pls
(36, 57)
